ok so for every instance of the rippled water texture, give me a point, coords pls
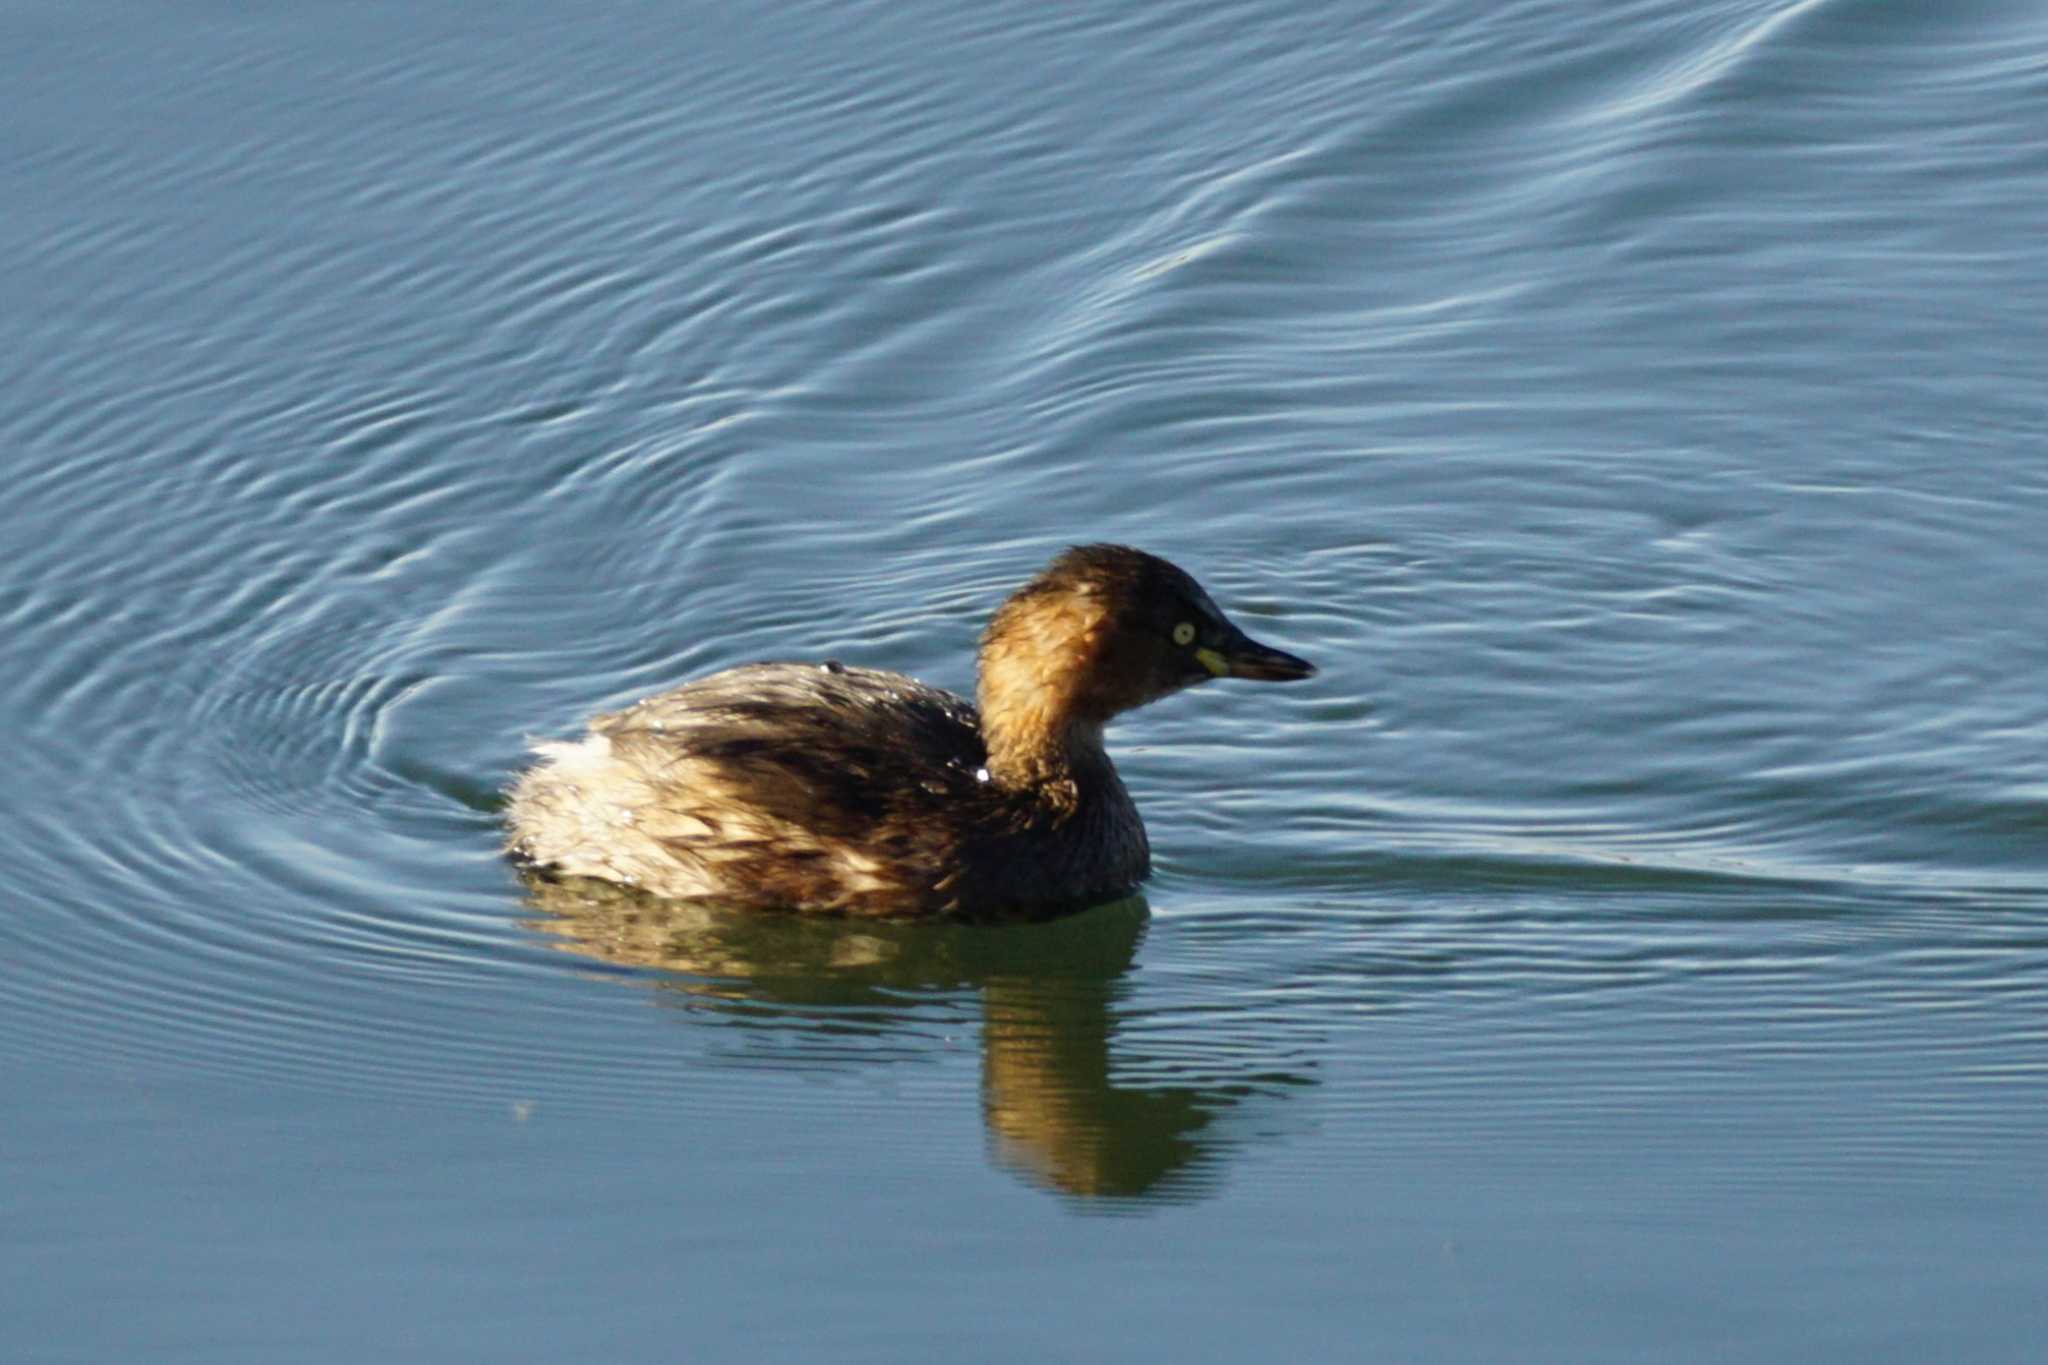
(1632, 946)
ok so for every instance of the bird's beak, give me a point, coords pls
(1241, 656)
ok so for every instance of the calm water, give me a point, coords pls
(1633, 946)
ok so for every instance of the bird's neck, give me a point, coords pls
(1041, 735)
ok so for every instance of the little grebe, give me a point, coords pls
(828, 788)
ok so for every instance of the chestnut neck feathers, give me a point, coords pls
(1062, 656)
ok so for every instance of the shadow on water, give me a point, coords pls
(1051, 1101)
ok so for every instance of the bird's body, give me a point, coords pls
(826, 788)
(823, 788)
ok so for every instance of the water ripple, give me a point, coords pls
(1627, 417)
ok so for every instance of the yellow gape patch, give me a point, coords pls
(1212, 661)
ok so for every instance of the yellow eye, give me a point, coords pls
(1184, 633)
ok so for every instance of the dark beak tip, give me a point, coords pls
(1273, 665)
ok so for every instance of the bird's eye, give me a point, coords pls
(1184, 633)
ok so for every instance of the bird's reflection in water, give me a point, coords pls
(1048, 992)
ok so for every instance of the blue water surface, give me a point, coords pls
(1633, 946)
